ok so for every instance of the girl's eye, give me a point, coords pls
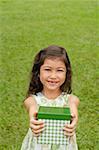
(60, 70)
(47, 69)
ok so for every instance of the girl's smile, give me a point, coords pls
(52, 83)
(52, 74)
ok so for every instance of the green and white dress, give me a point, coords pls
(30, 142)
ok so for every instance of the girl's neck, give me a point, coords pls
(51, 94)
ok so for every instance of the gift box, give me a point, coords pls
(54, 118)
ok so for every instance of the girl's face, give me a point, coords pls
(52, 74)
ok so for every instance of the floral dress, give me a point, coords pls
(30, 142)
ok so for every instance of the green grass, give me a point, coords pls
(29, 25)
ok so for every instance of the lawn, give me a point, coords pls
(26, 26)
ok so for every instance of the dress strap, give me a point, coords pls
(66, 99)
(37, 99)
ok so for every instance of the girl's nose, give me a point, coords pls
(53, 75)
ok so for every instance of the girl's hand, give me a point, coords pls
(37, 126)
(69, 129)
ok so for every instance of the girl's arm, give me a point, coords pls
(73, 103)
(31, 106)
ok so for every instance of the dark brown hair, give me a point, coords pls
(52, 51)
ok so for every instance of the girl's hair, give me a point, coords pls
(49, 52)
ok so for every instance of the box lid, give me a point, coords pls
(58, 113)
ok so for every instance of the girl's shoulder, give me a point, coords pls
(73, 99)
(30, 100)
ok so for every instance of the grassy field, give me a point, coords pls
(29, 25)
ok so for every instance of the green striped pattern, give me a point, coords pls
(57, 113)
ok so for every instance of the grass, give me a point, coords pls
(29, 25)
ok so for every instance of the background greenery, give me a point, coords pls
(26, 26)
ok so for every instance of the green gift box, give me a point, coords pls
(54, 118)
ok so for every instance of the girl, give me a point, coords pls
(50, 81)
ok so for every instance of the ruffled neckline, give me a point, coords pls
(62, 96)
(50, 99)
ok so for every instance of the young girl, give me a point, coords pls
(50, 81)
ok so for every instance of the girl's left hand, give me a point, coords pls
(69, 129)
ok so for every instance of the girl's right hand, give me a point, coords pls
(37, 126)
